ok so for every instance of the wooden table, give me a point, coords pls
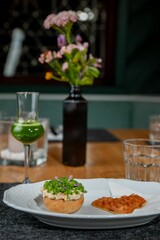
(104, 160)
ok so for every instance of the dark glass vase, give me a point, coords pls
(74, 128)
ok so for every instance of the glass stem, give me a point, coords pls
(26, 162)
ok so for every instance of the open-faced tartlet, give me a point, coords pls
(63, 195)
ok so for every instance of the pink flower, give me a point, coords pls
(82, 47)
(57, 55)
(41, 58)
(65, 66)
(99, 60)
(70, 177)
(78, 38)
(48, 21)
(47, 57)
(86, 44)
(98, 63)
(67, 49)
(61, 19)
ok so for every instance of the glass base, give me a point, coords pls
(10, 158)
(26, 181)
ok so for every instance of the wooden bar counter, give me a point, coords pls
(103, 160)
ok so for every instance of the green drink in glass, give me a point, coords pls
(27, 128)
(27, 132)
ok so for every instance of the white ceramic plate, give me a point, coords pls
(28, 198)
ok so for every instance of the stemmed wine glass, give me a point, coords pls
(27, 128)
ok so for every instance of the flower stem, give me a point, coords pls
(58, 79)
(68, 32)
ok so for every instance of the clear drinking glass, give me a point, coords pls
(27, 128)
(154, 127)
(142, 159)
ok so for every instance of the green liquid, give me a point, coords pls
(27, 132)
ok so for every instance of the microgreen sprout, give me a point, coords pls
(64, 185)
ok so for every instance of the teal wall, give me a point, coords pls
(121, 111)
(109, 114)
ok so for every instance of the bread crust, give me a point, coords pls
(62, 206)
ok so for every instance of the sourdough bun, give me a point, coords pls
(63, 194)
(63, 206)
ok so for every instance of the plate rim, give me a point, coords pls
(75, 215)
(137, 219)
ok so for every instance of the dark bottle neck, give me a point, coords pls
(75, 92)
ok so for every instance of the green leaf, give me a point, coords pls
(93, 71)
(86, 81)
(76, 57)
